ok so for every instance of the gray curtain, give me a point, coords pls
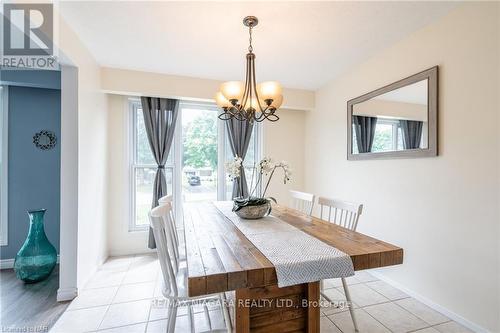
(160, 115)
(239, 140)
(365, 132)
(412, 133)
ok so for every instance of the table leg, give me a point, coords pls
(273, 309)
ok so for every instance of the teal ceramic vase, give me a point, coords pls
(37, 257)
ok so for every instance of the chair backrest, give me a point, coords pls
(168, 199)
(158, 218)
(345, 214)
(165, 199)
(302, 201)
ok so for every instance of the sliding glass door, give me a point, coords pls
(203, 150)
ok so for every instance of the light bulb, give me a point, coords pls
(221, 101)
(269, 90)
(232, 90)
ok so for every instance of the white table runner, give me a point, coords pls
(297, 256)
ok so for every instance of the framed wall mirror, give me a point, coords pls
(395, 121)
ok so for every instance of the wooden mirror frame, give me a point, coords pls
(431, 75)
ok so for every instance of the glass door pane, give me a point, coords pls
(199, 154)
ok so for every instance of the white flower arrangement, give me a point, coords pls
(266, 167)
(233, 168)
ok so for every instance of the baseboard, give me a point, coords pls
(9, 263)
(450, 314)
(64, 295)
(121, 253)
(6, 263)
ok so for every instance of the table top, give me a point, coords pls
(220, 258)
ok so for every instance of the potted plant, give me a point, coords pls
(256, 205)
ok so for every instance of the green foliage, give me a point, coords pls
(382, 141)
(200, 142)
(144, 155)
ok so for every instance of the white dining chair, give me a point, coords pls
(344, 214)
(172, 228)
(175, 281)
(302, 201)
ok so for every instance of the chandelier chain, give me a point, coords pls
(250, 47)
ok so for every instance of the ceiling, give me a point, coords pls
(301, 44)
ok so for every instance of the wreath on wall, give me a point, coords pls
(45, 140)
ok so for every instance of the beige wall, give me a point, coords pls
(444, 211)
(137, 83)
(120, 240)
(92, 156)
(284, 140)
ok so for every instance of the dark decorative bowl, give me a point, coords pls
(252, 208)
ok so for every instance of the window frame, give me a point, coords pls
(134, 106)
(4, 196)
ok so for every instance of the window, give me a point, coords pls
(3, 165)
(143, 170)
(195, 167)
(387, 136)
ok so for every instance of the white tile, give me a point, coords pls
(146, 273)
(201, 324)
(126, 314)
(102, 279)
(422, 311)
(427, 330)
(337, 299)
(82, 320)
(93, 297)
(363, 296)
(334, 283)
(365, 322)
(117, 264)
(159, 309)
(326, 326)
(395, 318)
(137, 328)
(452, 327)
(160, 326)
(143, 260)
(364, 276)
(134, 292)
(387, 290)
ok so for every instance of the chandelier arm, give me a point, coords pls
(245, 92)
(254, 85)
(271, 116)
(251, 92)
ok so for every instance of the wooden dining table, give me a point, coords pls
(221, 259)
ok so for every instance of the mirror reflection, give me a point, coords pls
(393, 121)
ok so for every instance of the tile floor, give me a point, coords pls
(119, 298)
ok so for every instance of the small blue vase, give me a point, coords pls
(37, 257)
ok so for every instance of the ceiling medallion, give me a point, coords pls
(249, 101)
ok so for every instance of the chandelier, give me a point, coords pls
(249, 101)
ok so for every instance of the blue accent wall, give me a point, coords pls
(31, 78)
(34, 174)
